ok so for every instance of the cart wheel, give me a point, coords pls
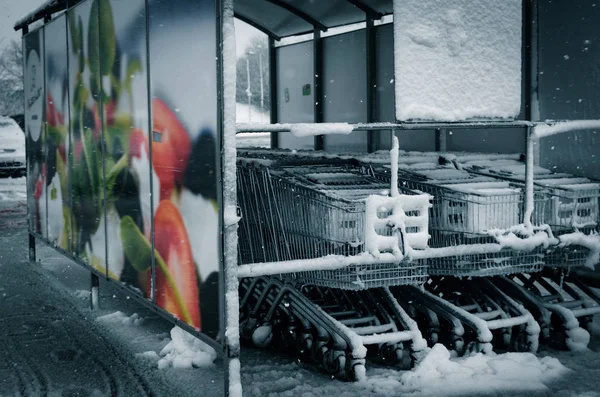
(520, 343)
(319, 348)
(390, 354)
(586, 323)
(506, 338)
(355, 369)
(304, 345)
(334, 362)
(458, 345)
(289, 336)
(262, 336)
(434, 337)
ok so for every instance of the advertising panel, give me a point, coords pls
(183, 75)
(123, 116)
(126, 171)
(33, 57)
(57, 134)
(87, 174)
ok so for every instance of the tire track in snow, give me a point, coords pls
(31, 381)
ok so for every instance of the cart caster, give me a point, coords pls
(262, 336)
(334, 362)
(525, 343)
(289, 336)
(304, 345)
(434, 337)
(479, 347)
(485, 348)
(391, 354)
(247, 327)
(506, 338)
(319, 348)
(586, 323)
(355, 369)
(458, 345)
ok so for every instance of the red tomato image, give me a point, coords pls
(172, 243)
(53, 117)
(171, 146)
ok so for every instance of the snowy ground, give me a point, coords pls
(52, 344)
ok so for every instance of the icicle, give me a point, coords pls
(394, 163)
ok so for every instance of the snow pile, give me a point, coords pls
(186, 351)
(578, 339)
(438, 374)
(458, 61)
(82, 294)
(301, 129)
(119, 317)
(591, 242)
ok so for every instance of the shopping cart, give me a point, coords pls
(562, 304)
(296, 207)
(573, 206)
(466, 208)
(313, 210)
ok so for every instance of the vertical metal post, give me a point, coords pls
(150, 140)
(371, 60)
(318, 83)
(32, 257)
(103, 147)
(262, 88)
(43, 132)
(94, 291)
(69, 132)
(248, 90)
(530, 60)
(441, 140)
(273, 91)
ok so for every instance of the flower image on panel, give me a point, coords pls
(57, 135)
(87, 174)
(33, 57)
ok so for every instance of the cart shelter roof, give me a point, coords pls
(278, 18)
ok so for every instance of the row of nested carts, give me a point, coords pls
(367, 272)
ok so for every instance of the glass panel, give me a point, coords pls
(184, 159)
(57, 133)
(34, 130)
(86, 135)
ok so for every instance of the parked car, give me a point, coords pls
(12, 149)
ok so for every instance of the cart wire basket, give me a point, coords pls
(312, 209)
(465, 207)
(572, 205)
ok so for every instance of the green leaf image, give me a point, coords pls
(94, 50)
(139, 250)
(74, 33)
(93, 39)
(108, 41)
(80, 48)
